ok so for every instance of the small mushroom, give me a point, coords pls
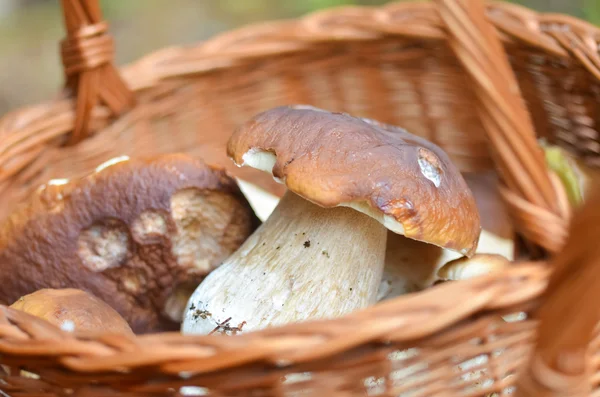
(73, 310)
(140, 234)
(465, 268)
(320, 254)
(478, 265)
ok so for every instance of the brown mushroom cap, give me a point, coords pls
(73, 310)
(134, 234)
(334, 159)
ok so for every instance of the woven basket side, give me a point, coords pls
(421, 344)
(461, 346)
(559, 365)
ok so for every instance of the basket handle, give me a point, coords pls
(559, 361)
(569, 314)
(531, 195)
(87, 55)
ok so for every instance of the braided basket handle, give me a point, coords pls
(532, 197)
(559, 361)
(87, 55)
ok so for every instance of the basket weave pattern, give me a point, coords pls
(481, 84)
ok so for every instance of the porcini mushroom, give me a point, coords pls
(320, 254)
(140, 234)
(477, 265)
(73, 310)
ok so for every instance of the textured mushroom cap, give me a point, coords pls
(333, 159)
(134, 234)
(73, 310)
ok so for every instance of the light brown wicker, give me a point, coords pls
(480, 80)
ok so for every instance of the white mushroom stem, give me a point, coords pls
(412, 265)
(262, 202)
(303, 262)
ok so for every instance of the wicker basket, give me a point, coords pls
(438, 69)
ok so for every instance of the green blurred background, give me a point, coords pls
(30, 31)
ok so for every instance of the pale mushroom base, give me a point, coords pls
(304, 262)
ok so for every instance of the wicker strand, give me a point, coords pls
(87, 54)
(560, 364)
(404, 319)
(508, 125)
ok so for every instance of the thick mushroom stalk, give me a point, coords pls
(410, 265)
(284, 272)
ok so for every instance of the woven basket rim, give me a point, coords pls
(221, 52)
(380, 324)
(174, 53)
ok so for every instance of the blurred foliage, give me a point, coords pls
(585, 9)
(314, 5)
(591, 11)
(561, 163)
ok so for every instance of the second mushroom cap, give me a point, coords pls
(137, 233)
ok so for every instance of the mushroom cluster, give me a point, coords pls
(321, 252)
(369, 212)
(140, 234)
